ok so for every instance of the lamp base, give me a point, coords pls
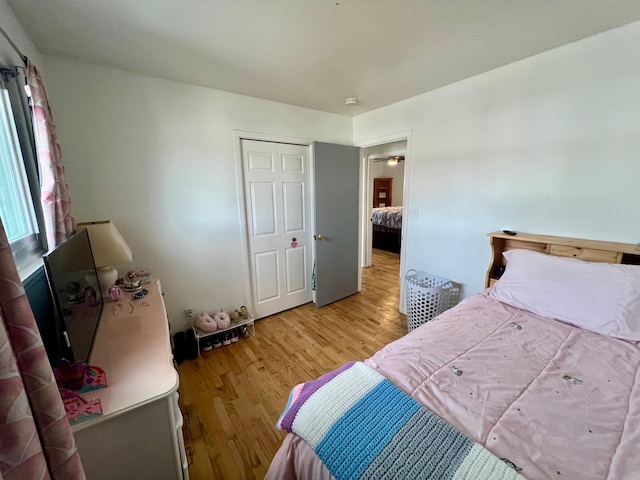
(107, 277)
(92, 281)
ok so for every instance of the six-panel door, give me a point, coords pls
(276, 178)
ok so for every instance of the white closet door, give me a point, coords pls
(276, 181)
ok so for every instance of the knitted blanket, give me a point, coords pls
(363, 426)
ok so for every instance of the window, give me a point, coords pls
(19, 216)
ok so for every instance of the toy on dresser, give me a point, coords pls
(74, 379)
(132, 282)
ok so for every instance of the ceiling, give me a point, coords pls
(314, 53)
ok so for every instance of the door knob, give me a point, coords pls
(318, 237)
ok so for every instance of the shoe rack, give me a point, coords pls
(226, 336)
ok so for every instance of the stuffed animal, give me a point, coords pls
(205, 323)
(222, 319)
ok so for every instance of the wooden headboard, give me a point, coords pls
(590, 250)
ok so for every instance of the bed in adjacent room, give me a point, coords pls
(535, 377)
(387, 228)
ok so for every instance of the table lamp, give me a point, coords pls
(109, 248)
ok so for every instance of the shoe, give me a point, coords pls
(205, 345)
(217, 341)
(179, 347)
(244, 313)
(191, 344)
(205, 323)
(244, 330)
(226, 340)
(234, 335)
(222, 319)
(235, 316)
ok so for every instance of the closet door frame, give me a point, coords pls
(238, 136)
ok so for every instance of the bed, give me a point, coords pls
(548, 398)
(387, 228)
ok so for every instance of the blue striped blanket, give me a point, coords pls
(363, 427)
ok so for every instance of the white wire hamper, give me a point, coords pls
(428, 296)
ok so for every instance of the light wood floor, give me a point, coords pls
(232, 396)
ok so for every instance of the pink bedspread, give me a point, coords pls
(558, 401)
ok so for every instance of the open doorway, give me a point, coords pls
(384, 196)
(384, 208)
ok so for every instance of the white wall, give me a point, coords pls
(397, 173)
(13, 28)
(157, 157)
(376, 171)
(550, 144)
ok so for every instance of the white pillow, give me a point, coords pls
(601, 297)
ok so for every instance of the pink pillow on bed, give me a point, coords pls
(601, 297)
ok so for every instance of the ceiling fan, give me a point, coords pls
(392, 160)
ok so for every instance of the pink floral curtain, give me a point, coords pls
(56, 201)
(35, 436)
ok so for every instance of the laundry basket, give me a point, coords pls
(428, 296)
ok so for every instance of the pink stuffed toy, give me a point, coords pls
(205, 323)
(222, 319)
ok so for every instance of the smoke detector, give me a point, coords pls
(351, 102)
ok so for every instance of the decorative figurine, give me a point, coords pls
(131, 282)
(115, 293)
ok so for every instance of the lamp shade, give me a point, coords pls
(108, 248)
(107, 245)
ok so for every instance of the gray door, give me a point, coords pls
(336, 229)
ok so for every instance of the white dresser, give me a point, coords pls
(139, 435)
